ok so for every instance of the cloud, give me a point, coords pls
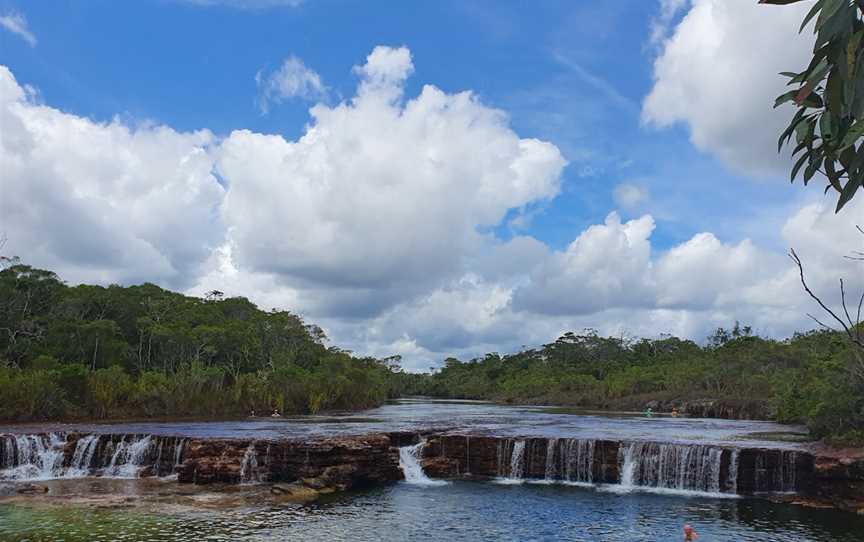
(292, 80)
(17, 24)
(717, 74)
(607, 266)
(380, 198)
(105, 202)
(629, 196)
(661, 23)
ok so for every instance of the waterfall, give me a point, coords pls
(511, 461)
(788, 472)
(82, 458)
(732, 476)
(517, 460)
(178, 451)
(409, 462)
(670, 466)
(577, 459)
(45, 456)
(249, 465)
(128, 457)
(550, 471)
(32, 457)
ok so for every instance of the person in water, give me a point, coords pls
(690, 534)
(276, 413)
(649, 412)
(674, 412)
(252, 414)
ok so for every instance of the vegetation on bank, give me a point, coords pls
(814, 377)
(92, 351)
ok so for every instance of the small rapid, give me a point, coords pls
(409, 462)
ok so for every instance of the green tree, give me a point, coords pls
(828, 124)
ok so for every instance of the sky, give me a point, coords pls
(422, 179)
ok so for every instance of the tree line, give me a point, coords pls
(811, 378)
(111, 352)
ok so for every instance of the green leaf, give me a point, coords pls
(811, 169)
(798, 166)
(787, 133)
(840, 23)
(816, 75)
(852, 186)
(853, 135)
(812, 13)
(852, 51)
(829, 8)
(826, 126)
(785, 97)
(834, 93)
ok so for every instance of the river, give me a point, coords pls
(118, 506)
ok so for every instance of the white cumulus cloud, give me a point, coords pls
(104, 202)
(380, 197)
(718, 74)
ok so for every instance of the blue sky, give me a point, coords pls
(597, 80)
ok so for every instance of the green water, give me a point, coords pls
(458, 511)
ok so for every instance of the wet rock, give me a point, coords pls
(336, 463)
(295, 492)
(32, 489)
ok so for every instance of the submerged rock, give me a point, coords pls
(295, 492)
(32, 489)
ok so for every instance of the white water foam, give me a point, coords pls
(409, 462)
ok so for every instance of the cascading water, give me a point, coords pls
(670, 466)
(249, 465)
(732, 475)
(550, 472)
(511, 461)
(32, 457)
(578, 460)
(409, 462)
(517, 460)
(82, 459)
(44, 456)
(128, 457)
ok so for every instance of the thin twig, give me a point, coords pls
(853, 336)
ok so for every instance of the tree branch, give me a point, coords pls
(853, 334)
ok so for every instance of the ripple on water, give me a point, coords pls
(459, 511)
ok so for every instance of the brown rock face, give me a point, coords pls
(337, 463)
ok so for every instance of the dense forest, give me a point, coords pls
(816, 378)
(92, 351)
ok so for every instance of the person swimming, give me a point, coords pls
(690, 534)
(276, 413)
